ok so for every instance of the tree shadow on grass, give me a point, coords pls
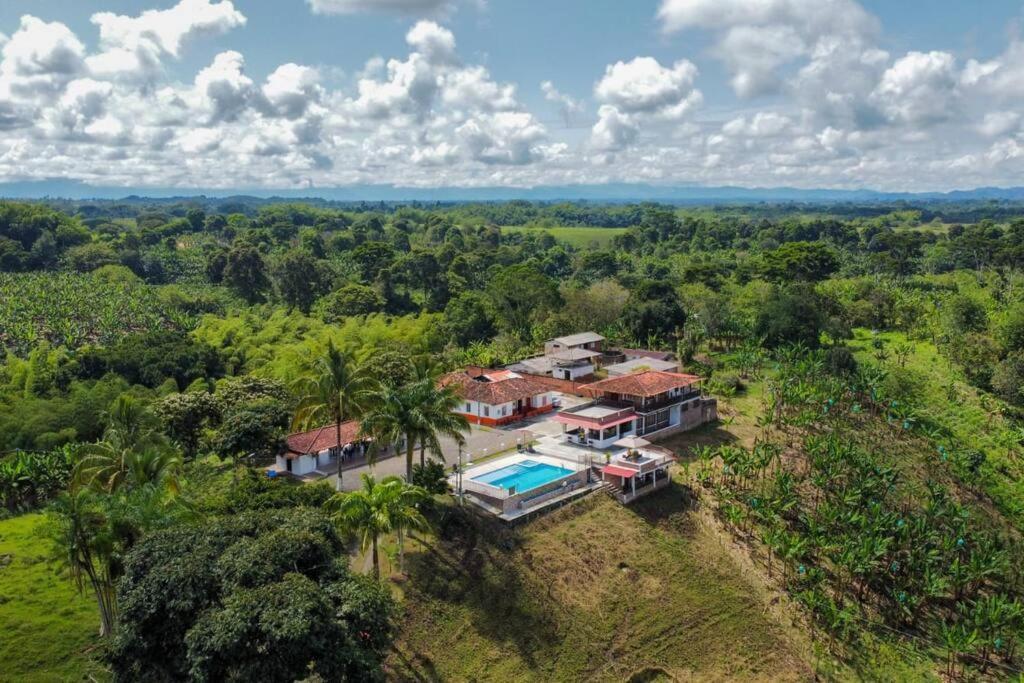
(475, 567)
(670, 506)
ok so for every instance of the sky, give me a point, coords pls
(299, 94)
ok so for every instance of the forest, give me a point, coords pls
(869, 359)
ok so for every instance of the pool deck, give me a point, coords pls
(489, 497)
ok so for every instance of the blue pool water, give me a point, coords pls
(523, 475)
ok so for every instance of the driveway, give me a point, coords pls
(480, 442)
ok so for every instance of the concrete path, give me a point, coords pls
(480, 442)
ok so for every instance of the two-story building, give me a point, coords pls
(639, 404)
(582, 341)
(498, 397)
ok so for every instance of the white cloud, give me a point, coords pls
(502, 138)
(641, 93)
(613, 130)
(755, 39)
(132, 47)
(291, 89)
(223, 89)
(844, 111)
(644, 85)
(434, 42)
(997, 123)
(39, 58)
(919, 88)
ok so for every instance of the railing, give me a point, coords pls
(651, 406)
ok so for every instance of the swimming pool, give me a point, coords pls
(523, 475)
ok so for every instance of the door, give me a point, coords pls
(568, 374)
(288, 464)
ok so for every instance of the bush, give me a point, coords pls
(260, 596)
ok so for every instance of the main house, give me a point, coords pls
(639, 404)
(498, 397)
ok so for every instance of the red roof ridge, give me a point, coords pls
(321, 438)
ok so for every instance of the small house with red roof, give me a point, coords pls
(638, 404)
(305, 452)
(498, 397)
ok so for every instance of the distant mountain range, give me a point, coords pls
(615, 192)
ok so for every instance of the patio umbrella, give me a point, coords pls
(632, 442)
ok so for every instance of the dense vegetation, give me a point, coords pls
(144, 342)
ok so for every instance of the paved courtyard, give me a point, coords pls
(480, 442)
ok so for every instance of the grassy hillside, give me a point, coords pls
(581, 237)
(48, 629)
(594, 592)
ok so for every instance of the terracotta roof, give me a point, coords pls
(650, 383)
(494, 388)
(319, 439)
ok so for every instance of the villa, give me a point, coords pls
(639, 404)
(498, 397)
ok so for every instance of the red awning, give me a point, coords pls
(619, 471)
(587, 424)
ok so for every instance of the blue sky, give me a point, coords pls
(812, 93)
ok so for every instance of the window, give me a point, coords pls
(487, 411)
(469, 407)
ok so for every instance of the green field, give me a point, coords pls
(48, 628)
(581, 237)
(596, 592)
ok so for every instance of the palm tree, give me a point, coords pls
(378, 508)
(406, 515)
(129, 434)
(416, 411)
(334, 392)
(93, 530)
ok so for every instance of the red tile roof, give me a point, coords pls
(321, 438)
(647, 384)
(492, 388)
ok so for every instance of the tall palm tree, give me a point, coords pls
(375, 509)
(335, 391)
(406, 515)
(416, 411)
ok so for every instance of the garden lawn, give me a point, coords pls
(596, 592)
(581, 237)
(46, 628)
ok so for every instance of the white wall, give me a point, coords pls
(574, 372)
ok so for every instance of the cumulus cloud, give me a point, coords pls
(919, 88)
(223, 89)
(641, 92)
(755, 39)
(292, 88)
(117, 107)
(39, 58)
(133, 47)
